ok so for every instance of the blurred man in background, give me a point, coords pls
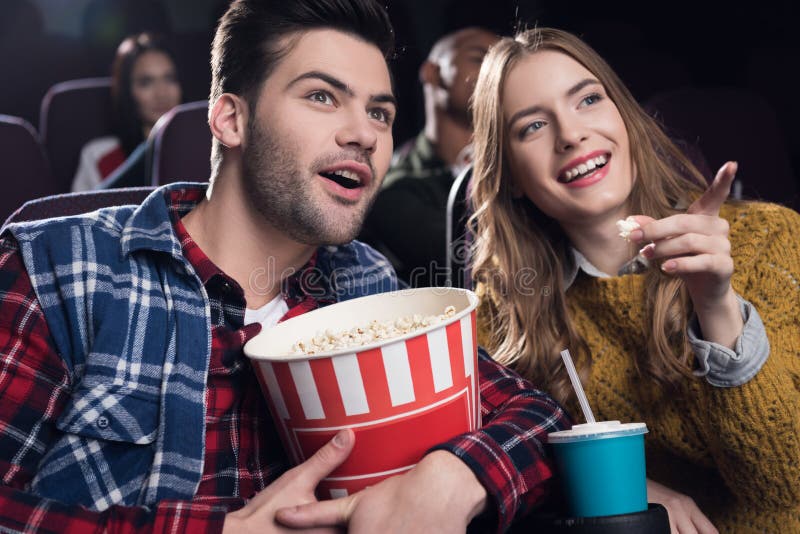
(407, 221)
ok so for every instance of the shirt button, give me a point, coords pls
(227, 287)
(102, 421)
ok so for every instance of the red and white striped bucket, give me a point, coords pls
(400, 396)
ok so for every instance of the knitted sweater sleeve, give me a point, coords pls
(753, 430)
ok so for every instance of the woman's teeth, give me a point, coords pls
(584, 168)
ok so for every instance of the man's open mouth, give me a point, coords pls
(347, 179)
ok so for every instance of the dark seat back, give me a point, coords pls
(67, 204)
(73, 113)
(25, 171)
(732, 124)
(179, 147)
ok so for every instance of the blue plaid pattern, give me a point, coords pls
(131, 321)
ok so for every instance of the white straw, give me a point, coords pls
(576, 384)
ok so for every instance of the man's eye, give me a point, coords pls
(380, 114)
(323, 97)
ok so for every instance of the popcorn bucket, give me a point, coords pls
(401, 396)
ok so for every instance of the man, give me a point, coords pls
(127, 402)
(407, 222)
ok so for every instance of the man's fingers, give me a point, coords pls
(327, 458)
(711, 201)
(331, 513)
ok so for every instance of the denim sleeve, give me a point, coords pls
(723, 367)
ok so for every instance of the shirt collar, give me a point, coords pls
(426, 151)
(156, 225)
(580, 263)
(150, 226)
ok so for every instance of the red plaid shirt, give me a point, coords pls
(243, 451)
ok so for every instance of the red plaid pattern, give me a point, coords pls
(243, 451)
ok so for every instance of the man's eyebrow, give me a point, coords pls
(339, 85)
(477, 48)
(578, 87)
(327, 78)
(384, 98)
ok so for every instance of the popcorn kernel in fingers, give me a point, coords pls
(626, 226)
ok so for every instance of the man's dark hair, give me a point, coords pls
(250, 39)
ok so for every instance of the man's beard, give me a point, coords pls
(281, 191)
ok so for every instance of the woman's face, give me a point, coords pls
(154, 86)
(567, 145)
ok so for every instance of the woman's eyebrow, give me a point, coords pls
(522, 113)
(578, 87)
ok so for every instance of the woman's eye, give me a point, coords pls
(593, 98)
(533, 127)
(323, 97)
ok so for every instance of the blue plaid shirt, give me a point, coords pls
(130, 319)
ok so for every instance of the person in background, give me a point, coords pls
(691, 326)
(407, 221)
(144, 86)
(127, 403)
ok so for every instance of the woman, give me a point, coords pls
(667, 327)
(144, 86)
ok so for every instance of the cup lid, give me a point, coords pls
(598, 430)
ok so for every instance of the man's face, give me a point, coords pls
(320, 138)
(459, 67)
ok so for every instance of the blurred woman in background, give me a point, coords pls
(144, 86)
(666, 326)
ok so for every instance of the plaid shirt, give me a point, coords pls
(40, 416)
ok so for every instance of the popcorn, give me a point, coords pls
(626, 226)
(363, 335)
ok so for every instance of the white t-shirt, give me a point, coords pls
(269, 314)
(89, 175)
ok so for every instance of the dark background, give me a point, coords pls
(654, 45)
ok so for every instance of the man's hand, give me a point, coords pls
(440, 495)
(295, 487)
(684, 515)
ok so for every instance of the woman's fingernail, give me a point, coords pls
(648, 251)
(636, 235)
(669, 266)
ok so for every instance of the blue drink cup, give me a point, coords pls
(602, 467)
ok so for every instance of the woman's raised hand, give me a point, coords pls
(695, 246)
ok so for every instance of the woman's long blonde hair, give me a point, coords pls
(528, 331)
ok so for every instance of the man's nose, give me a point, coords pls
(357, 131)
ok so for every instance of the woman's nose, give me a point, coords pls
(571, 133)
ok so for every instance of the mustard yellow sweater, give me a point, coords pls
(735, 451)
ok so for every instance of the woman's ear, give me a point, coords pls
(228, 120)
